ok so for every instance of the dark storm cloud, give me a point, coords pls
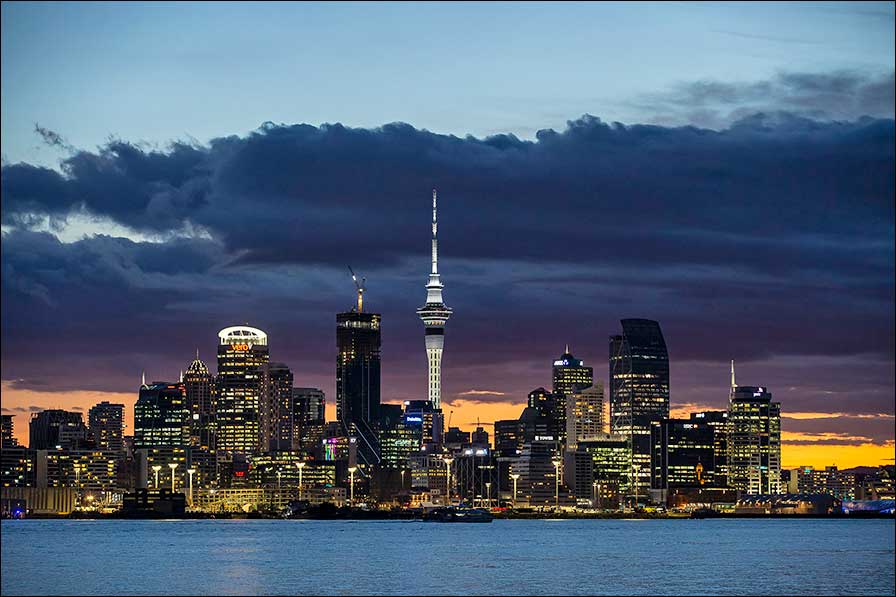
(771, 237)
(841, 95)
(766, 193)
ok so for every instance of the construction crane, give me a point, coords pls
(360, 286)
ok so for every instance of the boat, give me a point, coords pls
(458, 515)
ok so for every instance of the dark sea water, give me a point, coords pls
(516, 557)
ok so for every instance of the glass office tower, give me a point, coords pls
(639, 391)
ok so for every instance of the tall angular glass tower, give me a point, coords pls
(639, 391)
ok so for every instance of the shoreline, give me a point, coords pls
(365, 515)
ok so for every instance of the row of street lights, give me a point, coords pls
(595, 486)
(173, 466)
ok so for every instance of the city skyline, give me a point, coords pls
(288, 289)
(750, 215)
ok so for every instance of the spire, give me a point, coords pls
(567, 348)
(197, 353)
(143, 378)
(435, 245)
(733, 385)
(181, 380)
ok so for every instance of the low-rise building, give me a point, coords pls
(787, 503)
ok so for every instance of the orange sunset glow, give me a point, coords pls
(465, 413)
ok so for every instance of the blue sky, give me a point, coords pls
(156, 72)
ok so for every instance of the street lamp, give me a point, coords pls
(514, 476)
(156, 468)
(637, 469)
(402, 479)
(488, 493)
(595, 488)
(482, 469)
(172, 466)
(556, 463)
(191, 472)
(301, 465)
(78, 482)
(351, 472)
(448, 460)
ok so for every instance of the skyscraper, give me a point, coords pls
(200, 392)
(570, 374)
(54, 427)
(639, 389)
(420, 413)
(683, 454)
(161, 416)
(9, 440)
(544, 418)
(106, 423)
(162, 429)
(537, 483)
(277, 416)
(242, 351)
(309, 417)
(754, 440)
(603, 473)
(584, 414)
(358, 379)
(434, 315)
(718, 420)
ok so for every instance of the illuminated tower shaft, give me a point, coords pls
(434, 315)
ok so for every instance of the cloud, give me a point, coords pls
(786, 40)
(824, 439)
(482, 393)
(359, 194)
(852, 429)
(53, 138)
(839, 95)
(799, 415)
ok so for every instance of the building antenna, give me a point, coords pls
(361, 287)
(143, 378)
(733, 383)
(435, 228)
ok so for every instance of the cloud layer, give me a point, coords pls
(840, 95)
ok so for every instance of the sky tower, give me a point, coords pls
(434, 315)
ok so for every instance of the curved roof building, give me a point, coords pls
(242, 334)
